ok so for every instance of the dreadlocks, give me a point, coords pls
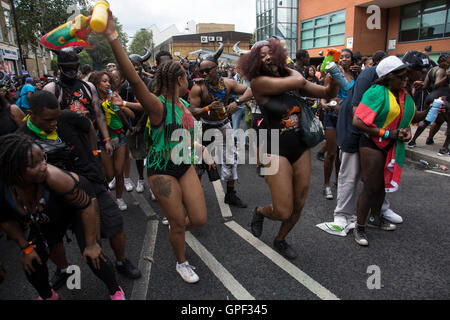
(14, 152)
(166, 77)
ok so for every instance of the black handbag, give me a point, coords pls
(310, 128)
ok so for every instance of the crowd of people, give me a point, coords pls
(65, 144)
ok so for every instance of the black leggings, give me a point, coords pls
(39, 278)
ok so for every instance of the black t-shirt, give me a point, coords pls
(73, 129)
(127, 94)
(7, 124)
(347, 135)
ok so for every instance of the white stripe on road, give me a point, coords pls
(227, 279)
(143, 203)
(224, 208)
(284, 264)
(439, 173)
(140, 286)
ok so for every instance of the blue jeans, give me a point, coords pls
(237, 117)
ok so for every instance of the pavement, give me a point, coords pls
(429, 153)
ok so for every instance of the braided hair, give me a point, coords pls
(14, 152)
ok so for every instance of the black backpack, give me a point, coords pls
(58, 153)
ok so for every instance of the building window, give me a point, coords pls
(323, 31)
(280, 18)
(9, 27)
(425, 20)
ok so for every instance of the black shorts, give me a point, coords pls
(111, 220)
(291, 147)
(173, 170)
(66, 216)
(367, 142)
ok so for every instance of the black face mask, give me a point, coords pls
(69, 72)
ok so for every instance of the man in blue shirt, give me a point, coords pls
(27, 90)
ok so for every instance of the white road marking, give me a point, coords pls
(143, 203)
(227, 279)
(140, 286)
(438, 173)
(284, 264)
(224, 208)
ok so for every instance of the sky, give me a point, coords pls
(137, 14)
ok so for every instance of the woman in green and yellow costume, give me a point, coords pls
(117, 122)
(175, 185)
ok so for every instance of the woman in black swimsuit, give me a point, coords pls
(278, 90)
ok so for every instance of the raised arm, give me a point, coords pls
(151, 104)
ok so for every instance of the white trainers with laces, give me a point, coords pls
(121, 204)
(165, 221)
(140, 186)
(392, 216)
(186, 271)
(112, 184)
(128, 185)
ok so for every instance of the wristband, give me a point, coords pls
(95, 153)
(382, 132)
(29, 249)
(113, 37)
(107, 139)
(207, 108)
(386, 135)
(124, 104)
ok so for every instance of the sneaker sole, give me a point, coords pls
(187, 281)
(382, 228)
(363, 243)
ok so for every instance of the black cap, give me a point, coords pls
(417, 60)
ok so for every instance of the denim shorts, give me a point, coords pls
(329, 120)
(116, 143)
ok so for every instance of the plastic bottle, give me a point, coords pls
(99, 18)
(333, 69)
(434, 111)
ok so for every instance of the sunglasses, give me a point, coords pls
(206, 70)
(402, 76)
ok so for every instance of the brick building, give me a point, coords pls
(184, 45)
(9, 52)
(395, 26)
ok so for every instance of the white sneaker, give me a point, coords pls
(341, 221)
(112, 184)
(392, 216)
(165, 221)
(140, 186)
(122, 205)
(152, 196)
(186, 271)
(128, 185)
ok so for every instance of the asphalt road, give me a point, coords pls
(233, 265)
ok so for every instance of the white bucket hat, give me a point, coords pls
(390, 64)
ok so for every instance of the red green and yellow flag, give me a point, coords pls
(379, 108)
(71, 34)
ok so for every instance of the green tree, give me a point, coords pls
(38, 17)
(101, 53)
(142, 39)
